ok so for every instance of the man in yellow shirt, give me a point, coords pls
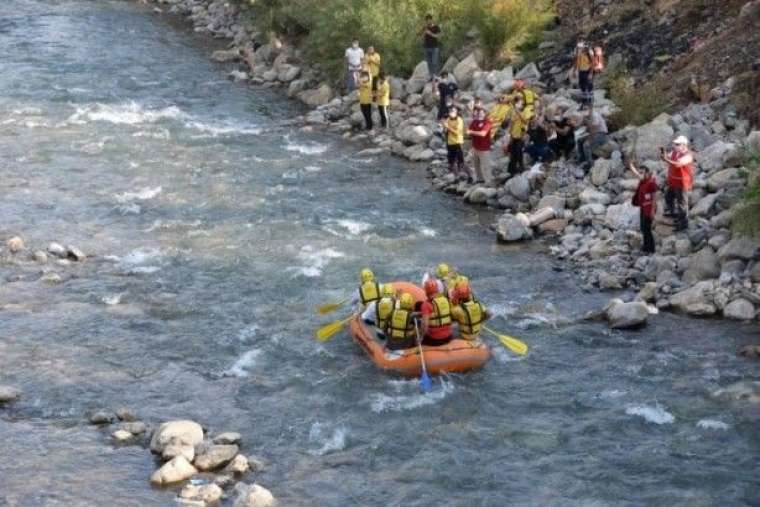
(371, 64)
(383, 98)
(453, 130)
(365, 98)
(499, 114)
(583, 68)
(518, 128)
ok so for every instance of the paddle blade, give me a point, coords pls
(324, 333)
(513, 344)
(426, 383)
(329, 307)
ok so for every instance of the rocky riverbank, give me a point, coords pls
(706, 271)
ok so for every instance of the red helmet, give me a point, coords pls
(519, 84)
(431, 287)
(462, 291)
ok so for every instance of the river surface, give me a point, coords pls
(213, 228)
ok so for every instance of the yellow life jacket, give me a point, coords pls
(383, 310)
(529, 96)
(442, 312)
(473, 318)
(457, 136)
(365, 92)
(384, 93)
(401, 326)
(584, 60)
(368, 292)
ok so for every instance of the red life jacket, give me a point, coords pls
(680, 177)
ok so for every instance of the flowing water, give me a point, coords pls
(213, 228)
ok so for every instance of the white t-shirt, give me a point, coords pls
(354, 57)
(597, 120)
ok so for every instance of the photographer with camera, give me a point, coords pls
(680, 162)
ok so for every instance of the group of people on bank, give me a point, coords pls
(405, 323)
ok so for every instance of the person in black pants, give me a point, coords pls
(564, 144)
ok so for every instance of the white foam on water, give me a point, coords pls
(131, 208)
(428, 232)
(712, 424)
(113, 299)
(222, 129)
(315, 261)
(655, 415)
(244, 363)
(27, 111)
(502, 355)
(612, 393)
(161, 134)
(354, 227)
(312, 169)
(130, 113)
(248, 332)
(333, 441)
(140, 256)
(173, 224)
(144, 270)
(143, 194)
(305, 148)
(380, 402)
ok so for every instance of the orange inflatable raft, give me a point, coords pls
(456, 356)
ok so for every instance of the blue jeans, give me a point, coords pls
(432, 56)
(351, 78)
(540, 152)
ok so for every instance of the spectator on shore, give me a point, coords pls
(371, 64)
(528, 96)
(518, 127)
(365, 98)
(475, 103)
(480, 131)
(563, 144)
(538, 140)
(453, 131)
(645, 199)
(583, 70)
(383, 98)
(499, 115)
(680, 162)
(446, 90)
(431, 43)
(354, 57)
(597, 130)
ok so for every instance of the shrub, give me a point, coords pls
(638, 103)
(746, 218)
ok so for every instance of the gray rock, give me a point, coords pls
(513, 228)
(529, 73)
(753, 139)
(8, 393)
(703, 265)
(126, 414)
(465, 69)
(238, 465)
(600, 172)
(414, 134)
(14, 244)
(227, 438)
(204, 493)
(622, 217)
(704, 206)
(238, 75)
(480, 195)
(648, 292)
(556, 202)
(718, 156)
(754, 273)
(591, 196)
(102, 416)
(398, 88)
(288, 73)
(215, 456)
(253, 495)
(40, 257)
(176, 470)
(696, 300)
(740, 248)
(75, 254)
(183, 431)
(648, 138)
(739, 309)
(609, 281)
(318, 96)
(135, 428)
(226, 55)
(122, 435)
(519, 187)
(744, 390)
(57, 249)
(724, 179)
(419, 79)
(627, 315)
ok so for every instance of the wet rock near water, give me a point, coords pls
(9, 394)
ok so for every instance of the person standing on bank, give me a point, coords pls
(383, 98)
(645, 199)
(431, 43)
(354, 59)
(518, 128)
(371, 64)
(446, 90)
(680, 162)
(583, 69)
(480, 131)
(365, 98)
(453, 131)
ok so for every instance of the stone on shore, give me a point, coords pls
(125, 414)
(215, 456)
(8, 394)
(648, 292)
(182, 432)
(519, 187)
(718, 155)
(318, 96)
(40, 257)
(591, 196)
(51, 278)
(75, 254)
(176, 448)
(227, 438)
(253, 495)
(238, 465)
(205, 493)
(414, 134)
(703, 265)
(102, 416)
(739, 309)
(135, 428)
(288, 73)
(57, 249)
(739, 248)
(466, 68)
(513, 227)
(226, 55)
(529, 73)
(15, 244)
(696, 300)
(650, 137)
(418, 80)
(622, 315)
(176, 470)
(622, 217)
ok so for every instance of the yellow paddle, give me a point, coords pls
(511, 343)
(330, 307)
(324, 333)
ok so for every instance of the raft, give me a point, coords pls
(457, 356)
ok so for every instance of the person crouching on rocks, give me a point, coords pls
(680, 162)
(453, 131)
(644, 199)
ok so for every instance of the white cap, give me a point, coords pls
(681, 140)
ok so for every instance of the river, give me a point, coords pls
(213, 228)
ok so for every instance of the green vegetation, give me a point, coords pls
(638, 103)
(746, 219)
(393, 27)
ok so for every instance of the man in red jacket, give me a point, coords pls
(644, 198)
(680, 175)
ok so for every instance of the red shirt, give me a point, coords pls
(644, 196)
(435, 333)
(680, 177)
(481, 143)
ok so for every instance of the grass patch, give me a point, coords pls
(638, 103)
(746, 218)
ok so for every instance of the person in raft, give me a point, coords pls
(378, 312)
(444, 275)
(369, 289)
(469, 313)
(436, 316)
(401, 332)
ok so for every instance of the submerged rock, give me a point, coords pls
(57, 249)
(750, 351)
(227, 438)
(206, 493)
(626, 315)
(102, 416)
(238, 465)
(176, 470)
(8, 393)
(744, 390)
(122, 435)
(253, 496)
(15, 244)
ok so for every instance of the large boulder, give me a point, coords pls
(739, 309)
(398, 88)
(704, 206)
(465, 69)
(497, 78)
(215, 456)
(177, 432)
(414, 134)
(253, 495)
(739, 248)
(529, 73)
(8, 393)
(419, 79)
(718, 156)
(622, 217)
(176, 470)
(591, 196)
(696, 300)
(318, 96)
(287, 72)
(703, 265)
(724, 179)
(519, 187)
(648, 138)
(514, 227)
(627, 315)
(600, 173)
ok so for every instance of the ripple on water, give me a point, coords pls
(314, 261)
(328, 441)
(143, 194)
(712, 424)
(653, 414)
(381, 402)
(305, 148)
(130, 113)
(241, 368)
